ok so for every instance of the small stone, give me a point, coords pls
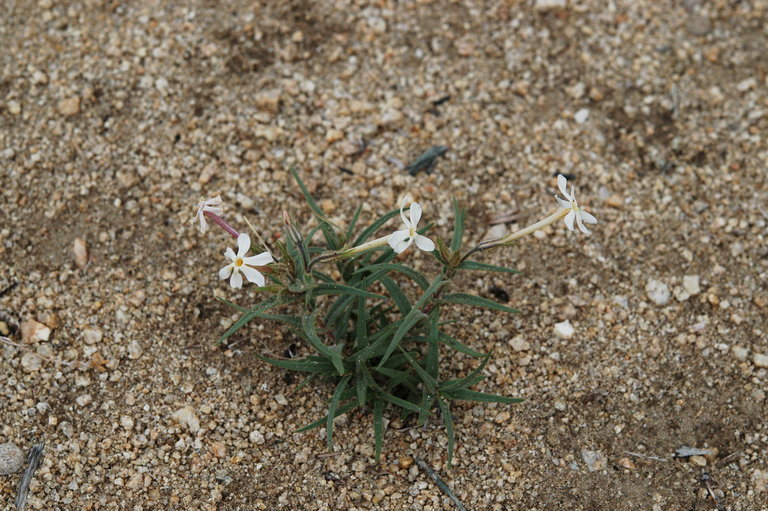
(405, 461)
(84, 400)
(11, 459)
(135, 481)
(691, 284)
(740, 352)
(208, 172)
(5, 329)
(281, 399)
(333, 135)
(581, 116)
(34, 331)
(564, 329)
(657, 292)
(69, 107)
(268, 100)
(594, 460)
(80, 250)
(31, 362)
(548, 5)
(218, 449)
(391, 116)
(126, 422)
(186, 417)
(615, 201)
(256, 437)
(39, 78)
(134, 350)
(520, 344)
(760, 479)
(698, 25)
(698, 460)
(760, 359)
(626, 463)
(92, 335)
(14, 107)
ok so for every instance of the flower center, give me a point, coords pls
(411, 232)
(238, 262)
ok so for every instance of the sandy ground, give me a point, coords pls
(116, 117)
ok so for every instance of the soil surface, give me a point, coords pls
(117, 117)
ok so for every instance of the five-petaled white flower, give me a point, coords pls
(243, 264)
(401, 240)
(575, 213)
(210, 205)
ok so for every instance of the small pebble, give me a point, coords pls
(14, 107)
(134, 350)
(657, 292)
(34, 331)
(11, 459)
(256, 437)
(581, 116)
(31, 362)
(548, 5)
(80, 250)
(564, 329)
(92, 335)
(740, 352)
(626, 463)
(760, 359)
(186, 417)
(69, 107)
(594, 460)
(691, 284)
(520, 344)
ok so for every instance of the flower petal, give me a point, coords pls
(230, 254)
(253, 275)
(213, 201)
(424, 243)
(224, 272)
(243, 244)
(203, 223)
(262, 259)
(582, 227)
(211, 209)
(415, 213)
(400, 247)
(563, 203)
(402, 207)
(398, 237)
(587, 217)
(237, 280)
(569, 218)
(562, 184)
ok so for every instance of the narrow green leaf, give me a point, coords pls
(303, 364)
(334, 355)
(482, 397)
(341, 289)
(339, 411)
(426, 378)
(360, 388)
(378, 426)
(353, 223)
(433, 351)
(477, 301)
(233, 305)
(459, 346)
(474, 265)
(402, 403)
(396, 294)
(332, 410)
(469, 380)
(445, 411)
(458, 225)
(412, 274)
(252, 313)
(361, 325)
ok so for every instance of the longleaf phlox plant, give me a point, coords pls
(379, 345)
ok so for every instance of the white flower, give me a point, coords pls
(243, 264)
(575, 213)
(210, 205)
(401, 240)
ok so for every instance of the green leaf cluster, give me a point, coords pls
(372, 325)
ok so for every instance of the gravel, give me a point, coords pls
(118, 117)
(11, 459)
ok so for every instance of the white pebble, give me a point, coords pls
(548, 5)
(657, 292)
(256, 437)
(11, 459)
(740, 352)
(31, 362)
(564, 329)
(691, 284)
(520, 344)
(581, 116)
(760, 359)
(186, 417)
(92, 335)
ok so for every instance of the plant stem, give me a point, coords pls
(222, 223)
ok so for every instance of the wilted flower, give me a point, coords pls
(209, 205)
(243, 264)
